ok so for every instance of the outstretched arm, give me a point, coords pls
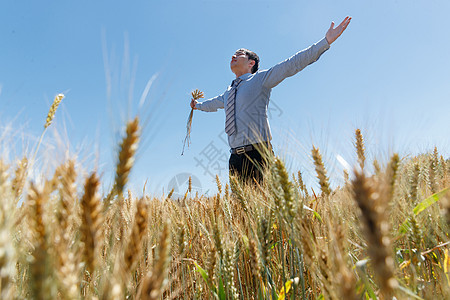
(294, 64)
(334, 33)
(300, 60)
(209, 105)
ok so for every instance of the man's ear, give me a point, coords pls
(251, 63)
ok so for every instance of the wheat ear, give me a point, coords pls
(190, 185)
(376, 228)
(392, 175)
(20, 177)
(219, 184)
(301, 184)
(67, 259)
(53, 108)
(376, 167)
(68, 192)
(345, 279)
(170, 194)
(211, 264)
(90, 216)
(432, 174)
(288, 208)
(321, 171)
(414, 183)
(138, 231)
(360, 148)
(8, 256)
(236, 187)
(254, 263)
(40, 264)
(127, 151)
(48, 121)
(153, 284)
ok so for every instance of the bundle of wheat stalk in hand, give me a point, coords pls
(197, 94)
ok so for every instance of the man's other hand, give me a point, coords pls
(334, 33)
(193, 103)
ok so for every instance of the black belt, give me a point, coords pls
(247, 148)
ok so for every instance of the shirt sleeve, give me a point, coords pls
(212, 104)
(294, 64)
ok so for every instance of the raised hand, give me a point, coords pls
(334, 33)
(193, 103)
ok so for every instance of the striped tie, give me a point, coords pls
(230, 120)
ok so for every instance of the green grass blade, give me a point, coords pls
(429, 201)
(205, 276)
(424, 204)
(222, 295)
(202, 272)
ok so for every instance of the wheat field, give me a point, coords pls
(381, 235)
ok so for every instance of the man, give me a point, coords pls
(246, 101)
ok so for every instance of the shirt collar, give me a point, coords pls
(245, 76)
(242, 78)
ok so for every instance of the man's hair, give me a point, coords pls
(253, 56)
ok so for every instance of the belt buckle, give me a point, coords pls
(240, 150)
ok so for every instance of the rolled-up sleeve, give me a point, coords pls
(294, 64)
(212, 104)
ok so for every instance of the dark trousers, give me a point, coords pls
(249, 166)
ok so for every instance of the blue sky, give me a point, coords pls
(388, 74)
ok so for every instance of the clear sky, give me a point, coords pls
(388, 74)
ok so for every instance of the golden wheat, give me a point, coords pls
(321, 171)
(247, 244)
(53, 108)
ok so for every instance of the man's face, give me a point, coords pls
(240, 63)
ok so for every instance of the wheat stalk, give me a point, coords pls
(197, 94)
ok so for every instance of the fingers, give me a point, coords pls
(345, 22)
(331, 26)
(340, 29)
(334, 33)
(193, 103)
